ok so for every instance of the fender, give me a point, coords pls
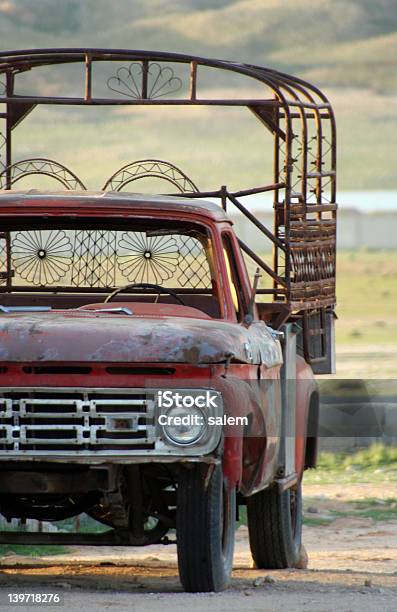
(307, 400)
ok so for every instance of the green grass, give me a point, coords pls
(332, 469)
(31, 551)
(87, 525)
(377, 463)
(375, 509)
(315, 521)
(366, 290)
(377, 514)
(370, 508)
(371, 458)
(367, 297)
(374, 502)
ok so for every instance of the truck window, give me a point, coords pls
(80, 258)
(234, 282)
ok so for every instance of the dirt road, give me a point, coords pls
(352, 566)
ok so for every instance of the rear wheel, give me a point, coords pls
(205, 523)
(275, 527)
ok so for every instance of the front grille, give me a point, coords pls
(76, 421)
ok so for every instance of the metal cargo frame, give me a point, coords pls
(298, 115)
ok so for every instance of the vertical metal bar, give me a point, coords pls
(304, 155)
(276, 179)
(145, 72)
(319, 159)
(9, 92)
(333, 157)
(88, 78)
(333, 200)
(224, 197)
(193, 80)
(287, 203)
(304, 146)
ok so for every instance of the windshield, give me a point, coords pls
(82, 257)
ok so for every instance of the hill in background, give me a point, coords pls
(348, 47)
(336, 42)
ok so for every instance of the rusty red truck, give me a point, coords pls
(147, 377)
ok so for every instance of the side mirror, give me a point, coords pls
(249, 317)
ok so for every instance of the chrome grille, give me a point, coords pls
(76, 421)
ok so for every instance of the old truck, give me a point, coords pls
(147, 378)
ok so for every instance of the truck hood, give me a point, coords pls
(86, 337)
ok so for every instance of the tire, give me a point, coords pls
(205, 526)
(275, 527)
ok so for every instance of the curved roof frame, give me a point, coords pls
(291, 95)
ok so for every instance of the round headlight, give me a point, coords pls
(184, 425)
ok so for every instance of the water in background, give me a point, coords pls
(365, 201)
(368, 230)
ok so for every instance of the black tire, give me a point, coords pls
(275, 527)
(205, 526)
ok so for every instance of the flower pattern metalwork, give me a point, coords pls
(42, 257)
(145, 259)
(128, 81)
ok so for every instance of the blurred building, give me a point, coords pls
(356, 229)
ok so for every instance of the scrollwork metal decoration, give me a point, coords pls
(129, 81)
(150, 168)
(41, 257)
(144, 258)
(94, 258)
(193, 268)
(42, 166)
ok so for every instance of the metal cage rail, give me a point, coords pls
(297, 114)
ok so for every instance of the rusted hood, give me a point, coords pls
(84, 336)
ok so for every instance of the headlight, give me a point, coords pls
(184, 417)
(183, 425)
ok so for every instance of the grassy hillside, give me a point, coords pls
(341, 40)
(348, 47)
(94, 143)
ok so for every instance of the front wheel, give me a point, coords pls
(205, 526)
(275, 527)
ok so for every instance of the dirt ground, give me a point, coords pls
(352, 566)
